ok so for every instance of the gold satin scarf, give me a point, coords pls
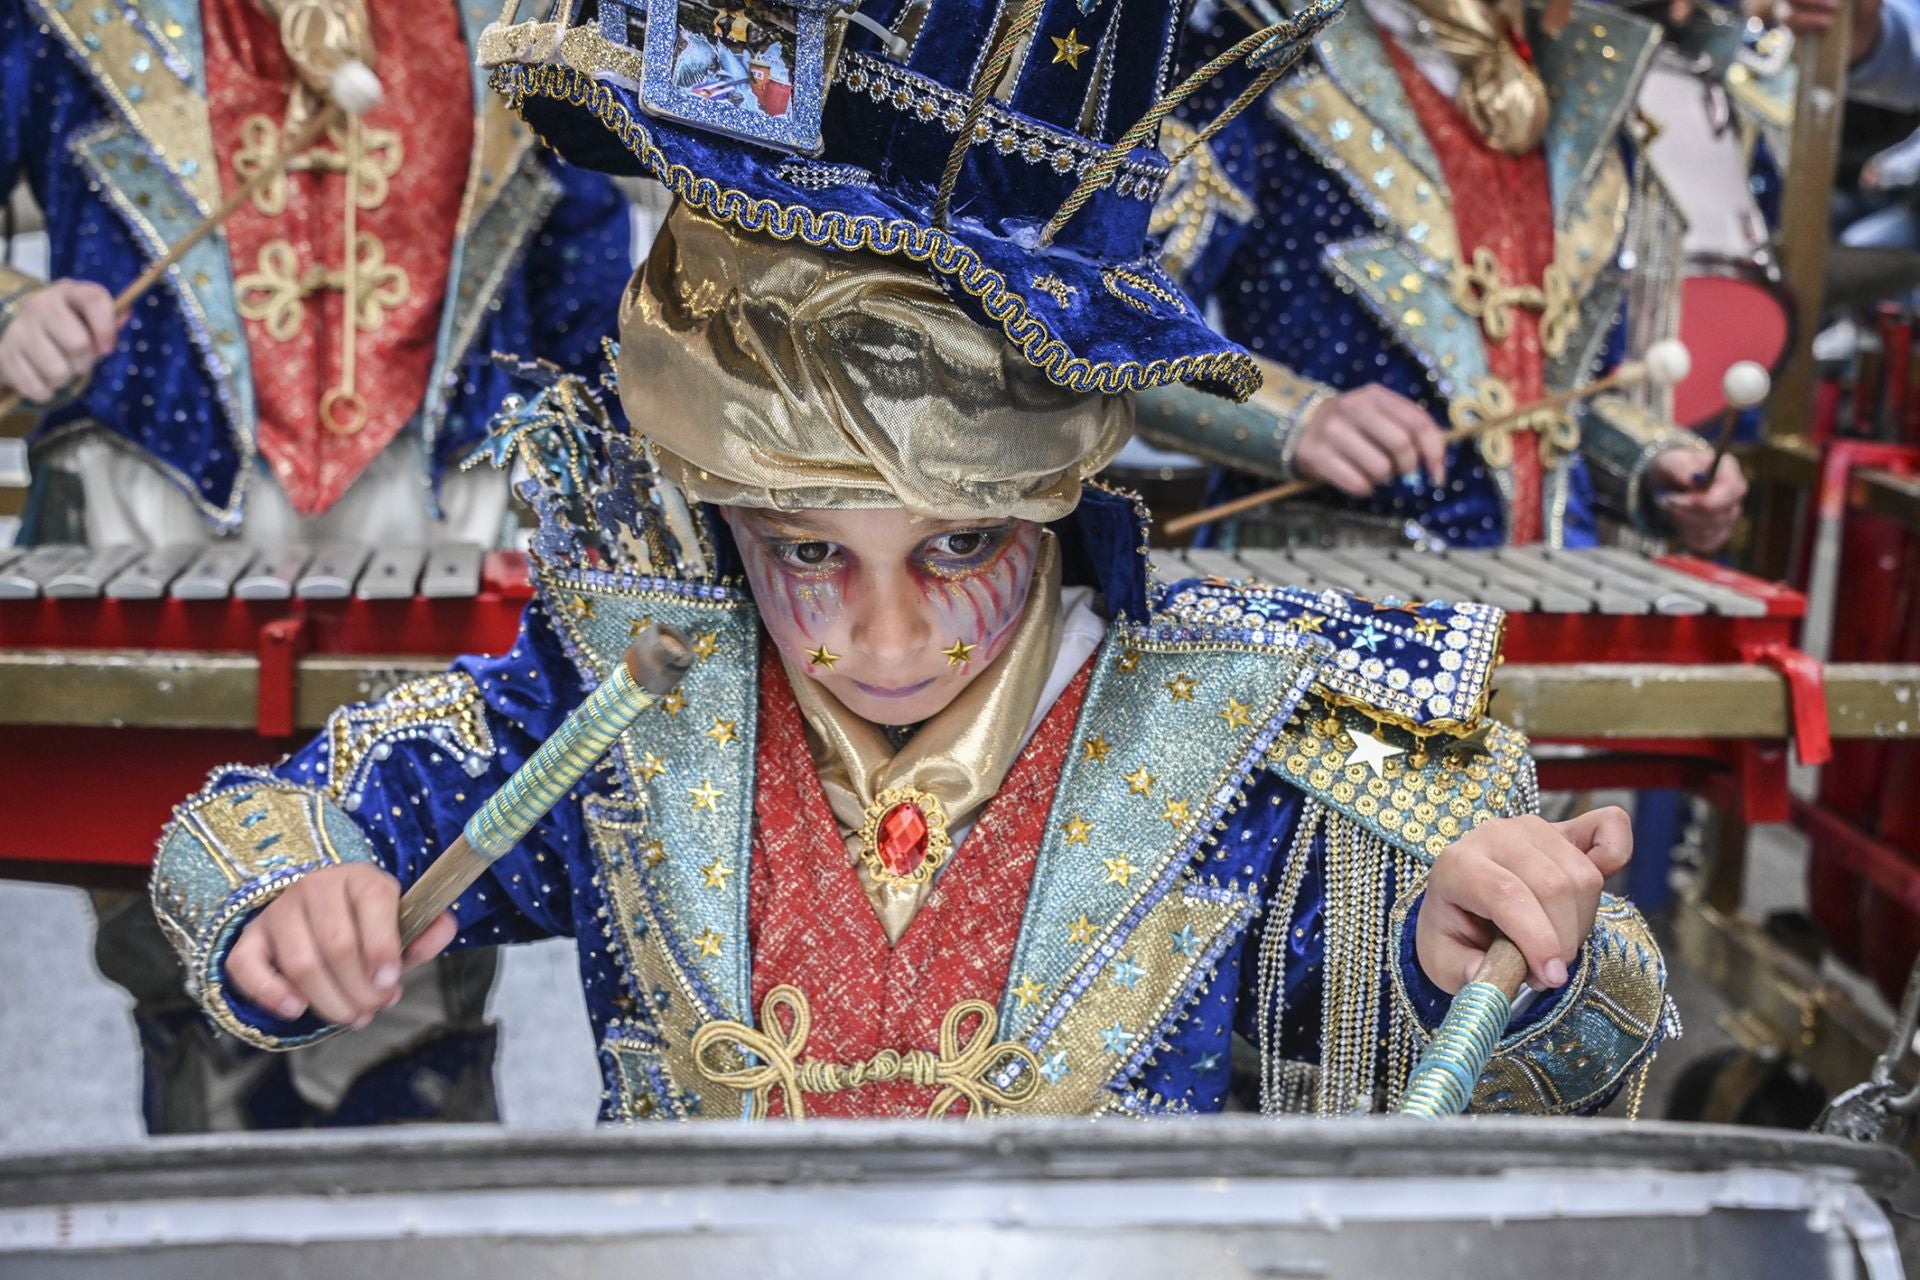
(961, 755)
(1500, 95)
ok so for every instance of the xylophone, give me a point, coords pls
(141, 670)
(137, 672)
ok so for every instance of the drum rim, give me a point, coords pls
(458, 1158)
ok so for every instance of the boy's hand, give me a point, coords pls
(57, 334)
(332, 943)
(1536, 881)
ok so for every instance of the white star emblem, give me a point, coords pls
(1372, 752)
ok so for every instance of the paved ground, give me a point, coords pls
(68, 1073)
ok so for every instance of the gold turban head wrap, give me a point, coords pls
(776, 375)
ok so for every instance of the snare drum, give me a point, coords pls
(1733, 303)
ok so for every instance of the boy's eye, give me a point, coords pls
(810, 554)
(963, 543)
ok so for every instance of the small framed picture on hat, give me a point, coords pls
(745, 68)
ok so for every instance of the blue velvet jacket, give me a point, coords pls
(1263, 881)
(105, 117)
(1319, 226)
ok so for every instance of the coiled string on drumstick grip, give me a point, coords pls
(1442, 1083)
(555, 766)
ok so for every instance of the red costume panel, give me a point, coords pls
(288, 264)
(814, 929)
(1503, 203)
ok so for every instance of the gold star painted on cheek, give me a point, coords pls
(1077, 829)
(1080, 932)
(1177, 811)
(1028, 992)
(716, 873)
(1068, 50)
(960, 654)
(1181, 687)
(651, 766)
(1237, 714)
(706, 796)
(1119, 871)
(709, 943)
(706, 644)
(1097, 748)
(1140, 782)
(822, 657)
(674, 703)
(722, 732)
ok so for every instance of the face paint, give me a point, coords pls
(875, 604)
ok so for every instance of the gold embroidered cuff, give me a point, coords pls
(1604, 1023)
(1621, 440)
(1259, 436)
(228, 852)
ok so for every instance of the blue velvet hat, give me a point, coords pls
(795, 121)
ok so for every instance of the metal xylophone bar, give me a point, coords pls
(1605, 580)
(221, 571)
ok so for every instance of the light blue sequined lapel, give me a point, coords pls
(1356, 59)
(690, 760)
(1124, 918)
(1415, 307)
(1592, 72)
(508, 196)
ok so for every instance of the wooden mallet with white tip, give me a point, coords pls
(1665, 364)
(1745, 385)
(352, 90)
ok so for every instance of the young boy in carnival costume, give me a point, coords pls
(958, 808)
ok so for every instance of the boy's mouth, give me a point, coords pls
(883, 691)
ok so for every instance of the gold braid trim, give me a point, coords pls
(987, 1074)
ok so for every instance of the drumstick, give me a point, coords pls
(1745, 386)
(1666, 363)
(354, 90)
(652, 665)
(1442, 1082)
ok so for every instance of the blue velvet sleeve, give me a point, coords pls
(390, 783)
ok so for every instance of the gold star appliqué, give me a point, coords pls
(1237, 714)
(674, 703)
(1028, 992)
(822, 657)
(636, 625)
(716, 873)
(1427, 628)
(1119, 871)
(706, 644)
(582, 606)
(1077, 829)
(1176, 811)
(709, 943)
(1097, 748)
(1181, 687)
(960, 654)
(651, 766)
(706, 796)
(1081, 931)
(723, 732)
(1069, 49)
(1129, 660)
(1140, 782)
(656, 853)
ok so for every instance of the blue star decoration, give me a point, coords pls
(1116, 1038)
(1207, 1065)
(1185, 941)
(1126, 972)
(1368, 638)
(1055, 1069)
